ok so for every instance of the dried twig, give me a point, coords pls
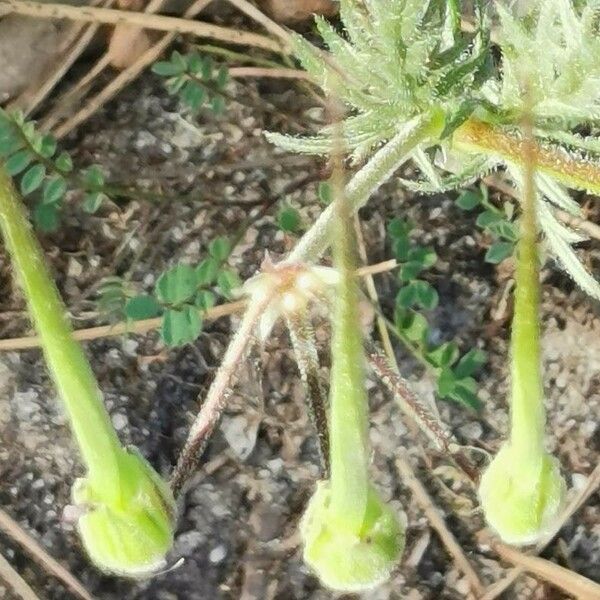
(437, 522)
(126, 76)
(13, 530)
(146, 325)
(254, 13)
(573, 583)
(15, 581)
(65, 103)
(111, 16)
(412, 406)
(78, 38)
(270, 72)
(592, 485)
(143, 326)
(372, 292)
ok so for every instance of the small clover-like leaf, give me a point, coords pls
(227, 281)
(193, 95)
(468, 200)
(180, 326)
(177, 285)
(54, 189)
(413, 325)
(504, 230)
(217, 104)
(46, 216)
(204, 300)
(427, 257)
(498, 252)
(18, 162)
(64, 162)
(219, 248)
(141, 307)
(9, 144)
(94, 178)
(410, 270)
(426, 295)
(465, 392)
(401, 247)
(325, 192)
(487, 218)
(92, 201)
(446, 382)
(289, 220)
(165, 69)
(470, 363)
(398, 228)
(445, 355)
(47, 146)
(407, 296)
(33, 179)
(207, 271)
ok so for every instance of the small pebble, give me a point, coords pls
(119, 421)
(217, 554)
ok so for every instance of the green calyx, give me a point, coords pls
(130, 534)
(347, 558)
(521, 506)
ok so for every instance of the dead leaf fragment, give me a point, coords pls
(295, 11)
(127, 44)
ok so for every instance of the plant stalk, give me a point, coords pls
(477, 136)
(349, 434)
(380, 167)
(527, 405)
(69, 367)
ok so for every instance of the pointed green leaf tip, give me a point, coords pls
(345, 559)
(131, 532)
(521, 507)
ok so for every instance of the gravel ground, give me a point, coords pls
(237, 532)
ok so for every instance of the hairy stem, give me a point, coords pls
(527, 407)
(475, 135)
(68, 365)
(349, 436)
(380, 167)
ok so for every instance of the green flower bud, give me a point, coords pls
(345, 558)
(131, 533)
(521, 506)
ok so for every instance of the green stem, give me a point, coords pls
(527, 406)
(349, 435)
(68, 365)
(380, 167)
